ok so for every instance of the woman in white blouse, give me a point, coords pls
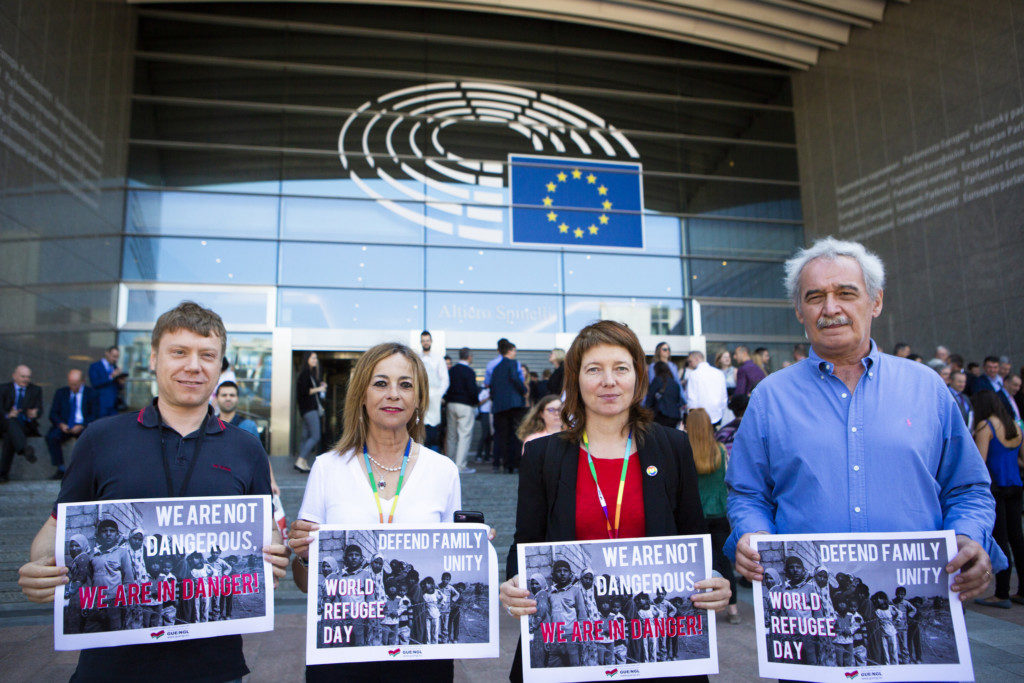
(379, 473)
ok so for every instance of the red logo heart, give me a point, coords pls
(611, 672)
(852, 674)
(395, 651)
(157, 634)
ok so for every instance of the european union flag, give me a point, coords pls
(576, 202)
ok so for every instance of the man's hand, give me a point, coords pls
(974, 566)
(748, 561)
(32, 413)
(63, 427)
(39, 580)
(13, 413)
(299, 537)
(711, 594)
(77, 429)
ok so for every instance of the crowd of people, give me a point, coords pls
(786, 446)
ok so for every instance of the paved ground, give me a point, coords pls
(26, 642)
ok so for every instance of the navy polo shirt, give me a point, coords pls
(120, 457)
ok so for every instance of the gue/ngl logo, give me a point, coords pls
(852, 674)
(157, 634)
(611, 672)
(395, 652)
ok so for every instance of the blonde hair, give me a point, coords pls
(355, 421)
(707, 456)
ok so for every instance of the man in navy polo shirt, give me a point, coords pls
(153, 454)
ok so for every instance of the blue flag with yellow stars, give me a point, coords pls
(577, 202)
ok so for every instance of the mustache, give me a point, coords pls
(828, 321)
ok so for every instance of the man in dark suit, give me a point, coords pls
(107, 380)
(508, 399)
(990, 380)
(462, 397)
(20, 405)
(74, 407)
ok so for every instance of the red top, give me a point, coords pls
(590, 520)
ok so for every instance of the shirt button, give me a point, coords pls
(871, 374)
(821, 376)
(853, 429)
(856, 468)
(857, 509)
(844, 395)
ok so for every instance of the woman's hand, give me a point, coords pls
(491, 534)
(517, 601)
(716, 599)
(277, 555)
(299, 537)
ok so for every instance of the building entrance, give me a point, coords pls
(336, 369)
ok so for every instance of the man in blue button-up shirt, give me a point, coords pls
(854, 440)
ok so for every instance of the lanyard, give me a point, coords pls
(192, 462)
(373, 482)
(612, 533)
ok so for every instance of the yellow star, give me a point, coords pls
(591, 178)
(578, 232)
(563, 228)
(552, 216)
(547, 201)
(551, 187)
(562, 177)
(602, 190)
(603, 219)
(576, 173)
(606, 204)
(593, 229)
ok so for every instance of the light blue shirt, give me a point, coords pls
(811, 456)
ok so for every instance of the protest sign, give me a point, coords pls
(162, 569)
(400, 592)
(864, 606)
(613, 610)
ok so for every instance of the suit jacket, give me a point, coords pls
(105, 387)
(547, 489)
(983, 383)
(507, 387)
(61, 410)
(462, 386)
(33, 399)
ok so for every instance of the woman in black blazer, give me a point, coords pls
(605, 386)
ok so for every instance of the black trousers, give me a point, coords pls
(54, 441)
(16, 436)
(507, 447)
(424, 671)
(1008, 533)
(719, 529)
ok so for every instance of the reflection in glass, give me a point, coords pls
(616, 274)
(348, 220)
(494, 312)
(742, 238)
(749, 320)
(175, 259)
(349, 308)
(236, 308)
(743, 279)
(351, 265)
(645, 316)
(491, 270)
(201, 213)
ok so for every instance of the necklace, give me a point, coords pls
(382, 482)
(374, 484)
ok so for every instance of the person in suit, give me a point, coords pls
(508, 403)
(74, 407)
(20, 405)
(990, 380)
(462, 398)
(608, 432)
(107, 380)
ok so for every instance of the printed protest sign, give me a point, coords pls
(865, 606)
(612, 610)
(401, 592)
(162, 569)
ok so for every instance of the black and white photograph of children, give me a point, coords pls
(425, 596)
(111, 545)
(882, 616)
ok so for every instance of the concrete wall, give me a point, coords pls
(909, 140)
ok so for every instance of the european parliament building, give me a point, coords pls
(333, 174)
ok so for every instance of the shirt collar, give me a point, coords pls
(819, 364)
(148, 418)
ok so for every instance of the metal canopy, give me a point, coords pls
(787, 32)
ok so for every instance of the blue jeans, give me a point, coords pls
(310, 433)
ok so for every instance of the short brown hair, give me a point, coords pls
(355, 422)
(612, 333)
(188, 315)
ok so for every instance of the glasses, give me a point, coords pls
(553, 411)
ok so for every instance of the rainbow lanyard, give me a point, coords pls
(612, 533)
(373, 482)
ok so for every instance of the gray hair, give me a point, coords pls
(830, 248)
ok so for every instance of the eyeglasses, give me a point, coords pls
(553, 411)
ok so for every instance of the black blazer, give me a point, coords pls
(33, 399)
(507, 387)
(547, 490)
(60, 407)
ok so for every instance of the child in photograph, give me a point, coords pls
(621, 649)
(430, 599)
(393, 609)
(446, 596)
(648, 644)
(218, 567)
(168, 609)
(200, 605)
(590, 599)
(604, 645)
(886, 616)
(404, 614)
(905, 610)
(663, 609)
(914, 631)
(848, 624)
(458, 599)
(679, 604)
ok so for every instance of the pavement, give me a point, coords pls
(26, 637)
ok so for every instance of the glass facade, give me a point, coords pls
(356, 162)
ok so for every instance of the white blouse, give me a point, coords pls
(338, 491)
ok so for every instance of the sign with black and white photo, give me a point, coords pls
(399, 592)
(162, 569)
(864, 606)
(613, 610)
